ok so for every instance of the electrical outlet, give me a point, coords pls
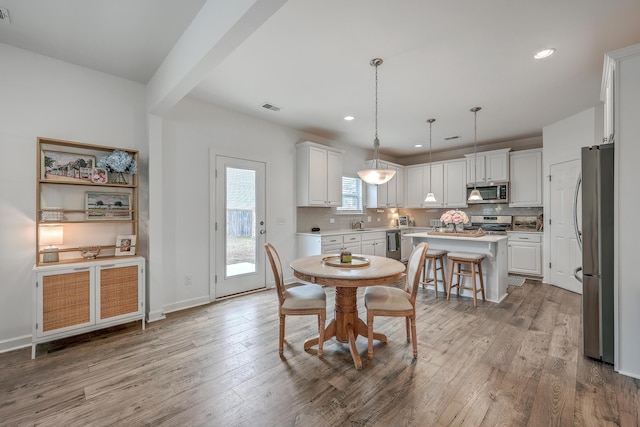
(332, 220)
(368, 219)
(188, 280)
(378, 219)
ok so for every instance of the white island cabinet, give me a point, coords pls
(494, 265)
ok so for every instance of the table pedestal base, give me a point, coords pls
(346, 325)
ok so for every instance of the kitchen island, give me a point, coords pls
(494, 265)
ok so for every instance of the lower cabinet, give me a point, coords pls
(525, 253)
(76, 298)
(374, 243)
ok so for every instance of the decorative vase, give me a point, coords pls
(118, 178)
(450, 228)
(459, 227)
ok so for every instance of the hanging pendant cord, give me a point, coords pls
(376, 141)
(430, 175)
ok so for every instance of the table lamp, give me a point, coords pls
(50, 236)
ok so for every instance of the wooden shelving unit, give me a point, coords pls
(69, 190)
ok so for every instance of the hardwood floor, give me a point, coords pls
(518, 363)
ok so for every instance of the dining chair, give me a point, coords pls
(297, 300)
(397, 302)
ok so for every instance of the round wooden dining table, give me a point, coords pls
(346, 325)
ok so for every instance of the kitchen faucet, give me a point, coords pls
(357, 224)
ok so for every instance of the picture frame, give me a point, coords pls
(108, 206)
(126, 245)
(63, 166)
(403, 221)
(99, 176)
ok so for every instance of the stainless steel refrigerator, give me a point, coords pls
(597, 243)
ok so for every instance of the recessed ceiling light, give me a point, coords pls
(349, 118)
(545, 53)
(418, 145)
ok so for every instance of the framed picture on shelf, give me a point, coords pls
(61, 166)
(126, 245)
(107, 206)
(99, 176)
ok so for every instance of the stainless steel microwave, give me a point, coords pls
(494, 193)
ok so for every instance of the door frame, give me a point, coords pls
(212, 219)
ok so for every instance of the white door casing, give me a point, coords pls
(565, 254)
(239, 262)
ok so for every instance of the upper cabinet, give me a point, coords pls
(446, 180)
(491, 166)
(389, 194)
(526, 178)
(455, 190)
(319, 175)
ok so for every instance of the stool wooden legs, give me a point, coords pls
(436, 265)
(475, 270)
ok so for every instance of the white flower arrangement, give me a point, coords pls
(454, 217)
(118, 161)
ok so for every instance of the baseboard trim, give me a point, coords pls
(154, 316)
(15, 343)
(183, 305)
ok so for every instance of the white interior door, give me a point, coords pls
(565, 254)
(240, 231)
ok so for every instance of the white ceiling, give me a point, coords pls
(312, 59)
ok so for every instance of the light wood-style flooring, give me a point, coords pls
(518, 363)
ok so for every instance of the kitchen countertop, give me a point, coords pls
(491, 238)
(352, 231)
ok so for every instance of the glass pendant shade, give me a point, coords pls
(430, 197)
(376, 175)
(475, 195)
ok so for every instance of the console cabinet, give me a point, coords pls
(75, 298)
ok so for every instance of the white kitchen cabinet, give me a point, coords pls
(419, 180)
(319, 175)
(389, 194)
(455, 189)
(492, 166)
(374, 243)
(315, 244)
(75, 298)
(525, 182)
(525, 253)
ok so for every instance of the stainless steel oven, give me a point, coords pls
(493, 193)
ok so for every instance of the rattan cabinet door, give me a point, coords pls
(118, 291)
(65, 300)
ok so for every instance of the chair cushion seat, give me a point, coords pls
(435, 252)
(465, 255)
(387, 298)
(305, 296)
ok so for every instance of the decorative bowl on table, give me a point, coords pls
(89, 252)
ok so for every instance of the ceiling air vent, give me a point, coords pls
(449, 138)
(4, 15)
(271, 107)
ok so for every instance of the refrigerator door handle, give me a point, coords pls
(575, 213)
(575, 274)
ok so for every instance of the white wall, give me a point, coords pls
(627, 210)
(190, 131)
(46, 97)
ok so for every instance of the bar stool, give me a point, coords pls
(473, 265)
(435, 259)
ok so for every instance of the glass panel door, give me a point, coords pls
(240, 226)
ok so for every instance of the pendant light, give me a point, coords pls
(475, 194)
(376, 175)
(430, 196)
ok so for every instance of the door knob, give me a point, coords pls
(262, 231)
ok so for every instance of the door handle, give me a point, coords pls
(575, 274)
(262, 231)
